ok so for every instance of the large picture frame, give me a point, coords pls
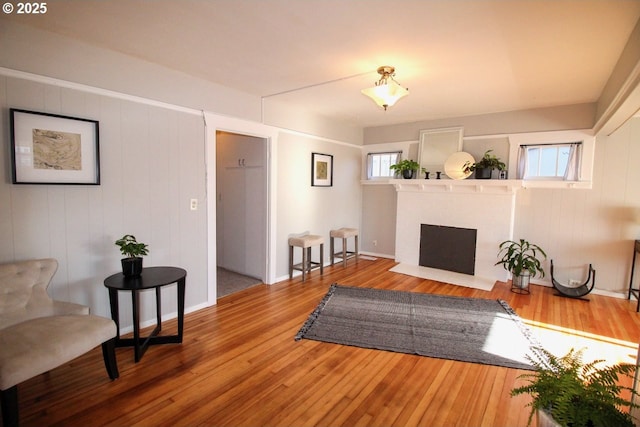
(321, 170)
(54, 149)
(437, 145)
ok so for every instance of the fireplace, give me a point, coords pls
(486, 206)
(448, 248)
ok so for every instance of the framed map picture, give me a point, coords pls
(321, 170)
(53, 149)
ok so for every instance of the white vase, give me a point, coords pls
(545, 420)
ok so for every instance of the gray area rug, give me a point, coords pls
(465, 329)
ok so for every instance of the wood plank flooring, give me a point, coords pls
(240, 366)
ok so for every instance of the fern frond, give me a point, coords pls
(578, 393)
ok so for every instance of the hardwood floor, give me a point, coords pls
(240, 366)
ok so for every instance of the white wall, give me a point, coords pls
(379, 216)
(150, 118)
(284, 116)
(563, 117)
(575, 227)
(152, 164)
(317, 210)
(47, 54)
(597, 226)
(294, 205)
(154, 160)
(378, 233)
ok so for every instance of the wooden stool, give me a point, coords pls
(344, 234)
(306, 242)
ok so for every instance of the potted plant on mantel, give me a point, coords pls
(485, 166)
(566, 391)
(406, 168)
(521, 259)
(133, 252)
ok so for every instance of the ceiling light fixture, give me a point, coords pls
(386, 91)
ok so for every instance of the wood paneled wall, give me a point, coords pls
(576, 227)
(152, 163)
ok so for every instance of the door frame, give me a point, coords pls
(214, 123)
(260, 147)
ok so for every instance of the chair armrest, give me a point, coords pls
(64, 308)
(53, 308)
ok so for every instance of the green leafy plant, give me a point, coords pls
(521, 256)
(575, 393)
(488, 161)
(406, 168)
(405, 165)
(130, 247)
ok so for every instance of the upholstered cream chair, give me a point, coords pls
(38, 334)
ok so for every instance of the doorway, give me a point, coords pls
(241, 211)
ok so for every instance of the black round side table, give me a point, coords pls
(151, 278)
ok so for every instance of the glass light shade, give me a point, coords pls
(386, 94)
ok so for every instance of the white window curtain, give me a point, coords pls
(572, 172)
(573, 165)
(370, 165)
(522, 162)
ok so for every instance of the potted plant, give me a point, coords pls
(133, 252)
(574, 393)
(485, 166)
(406, 168)
(522, 260)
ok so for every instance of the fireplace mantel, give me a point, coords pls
(458, 186)
(487, 206)
(475, 185)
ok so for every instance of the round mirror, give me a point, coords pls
(454, 166)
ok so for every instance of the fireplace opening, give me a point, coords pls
(448, 248)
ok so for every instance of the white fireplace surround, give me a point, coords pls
(485, 205)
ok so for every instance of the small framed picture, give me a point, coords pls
(53, 149)
(321, 170)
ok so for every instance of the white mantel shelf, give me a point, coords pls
(458, 186)
(492, 186)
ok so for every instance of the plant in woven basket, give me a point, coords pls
(576, 393)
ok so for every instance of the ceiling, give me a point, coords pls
(457, 57)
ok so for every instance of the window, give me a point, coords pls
(378, 164)
(579, 167)
(550, 161)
